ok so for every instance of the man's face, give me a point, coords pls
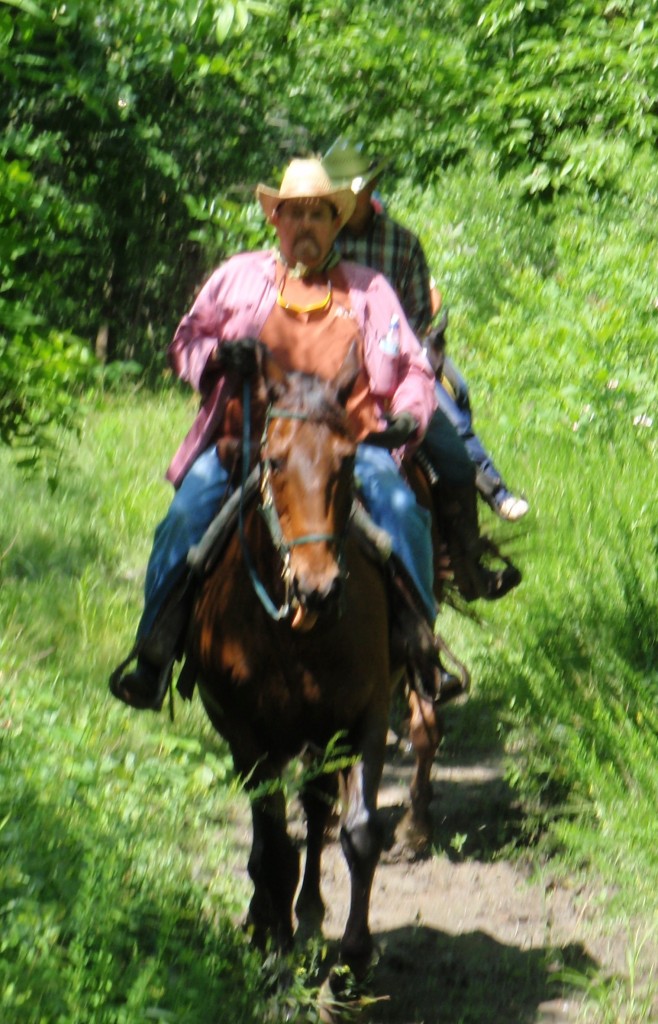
(306, 230)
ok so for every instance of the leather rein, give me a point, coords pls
(269, 513)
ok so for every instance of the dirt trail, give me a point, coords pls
(464, 937)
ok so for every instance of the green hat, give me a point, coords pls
(347, 164)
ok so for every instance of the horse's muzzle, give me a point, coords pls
(319, 595)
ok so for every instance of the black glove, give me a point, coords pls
(436, 336)
(434, 344)
(399, 429)
(238, 356)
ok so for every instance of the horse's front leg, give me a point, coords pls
(318, 798)
(361, 838)
(274, 870)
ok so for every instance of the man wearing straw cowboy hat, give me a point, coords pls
(308, 307)
(455, 451)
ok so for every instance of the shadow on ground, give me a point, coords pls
(426, 976)
(475, 813)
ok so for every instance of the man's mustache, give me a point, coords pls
(305, 236)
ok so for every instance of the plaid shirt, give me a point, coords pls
(397, 254)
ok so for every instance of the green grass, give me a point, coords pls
(554, 314)
(118, 878)
(122, 880)
(121, 885)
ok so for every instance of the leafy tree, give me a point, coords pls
(134, 133)
(106, 134)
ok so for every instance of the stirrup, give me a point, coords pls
(135, 688)
(452, 687)
(501, 581)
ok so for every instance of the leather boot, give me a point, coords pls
(145, 686)
(457, 517)
(417, 646)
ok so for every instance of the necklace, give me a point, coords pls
(294, 308)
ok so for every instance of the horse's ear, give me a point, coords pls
(272, 373)
(260, 387)
(345, 379)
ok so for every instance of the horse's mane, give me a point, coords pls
(313, 398)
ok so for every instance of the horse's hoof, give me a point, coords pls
(328, 1010)
(310, 915)
(413, 839)
(337, 1001)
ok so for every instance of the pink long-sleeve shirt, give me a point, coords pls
(235, 303)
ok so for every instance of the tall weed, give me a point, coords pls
(553, 320)
(553, 304)
(117, 880)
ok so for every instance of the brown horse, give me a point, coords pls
(290, 643)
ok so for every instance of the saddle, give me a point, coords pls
(413, 642)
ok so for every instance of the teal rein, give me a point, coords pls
(269, 514)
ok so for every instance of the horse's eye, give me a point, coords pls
(276, 464)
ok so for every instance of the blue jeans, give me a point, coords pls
(447, 452)
(194, 506)
(393, 507)
(458, 411)
(387, 497)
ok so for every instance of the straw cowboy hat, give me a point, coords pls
(347, 164)
(307, 179)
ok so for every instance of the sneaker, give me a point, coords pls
(508, 506)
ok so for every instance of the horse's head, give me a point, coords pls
(308, 456)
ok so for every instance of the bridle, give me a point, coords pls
(267, 508)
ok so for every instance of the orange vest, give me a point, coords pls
(317, 339)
